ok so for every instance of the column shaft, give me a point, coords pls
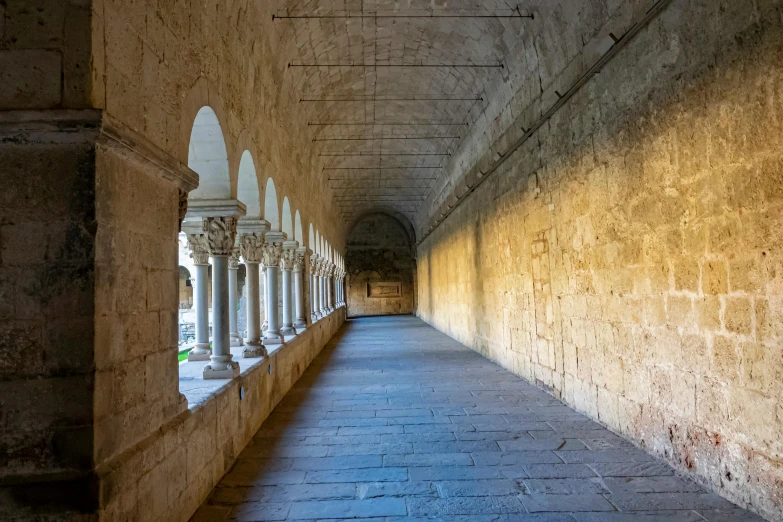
(233, 299)
(253, 346)
(272, 335)
(288, 322)
(201, 350)
(301, 320)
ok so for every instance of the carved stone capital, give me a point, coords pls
(233, 259)
(252, 248)
(314, 265)
(299, 262)
(288, 259)
(272, 254)
(221, 233)
(199, 249)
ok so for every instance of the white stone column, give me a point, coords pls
(221, 234)
(199, 252)
(264, 297)
(272, 254)
(330, 286)
(300, 320)
(322, 288)
(233, 297)
(286, 267)
(252, 249)
(313, 288)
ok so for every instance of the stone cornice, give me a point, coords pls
(93, 126)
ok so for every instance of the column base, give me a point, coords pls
(231, 371)
(236, 340)
(273, 338)
(199, 353)
(287, 330)
(254, 350)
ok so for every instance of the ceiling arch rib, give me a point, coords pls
(389, 90)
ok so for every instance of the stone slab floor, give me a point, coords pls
(396, 421)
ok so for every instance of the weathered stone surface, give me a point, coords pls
(626, 257)
(452, 480)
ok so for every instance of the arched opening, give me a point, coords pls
(271, 209)
(311, 238)
(379, 261)
(287, 222)
(208, 157)
(248, 191)
(298, 229)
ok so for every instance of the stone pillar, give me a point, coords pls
(199, 252)
(272, 254)
(286, 266)
(300, 319)
(221, 235)
(233, 297)
(313, 288)
(252, 250)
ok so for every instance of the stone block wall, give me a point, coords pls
(48, 229)
(629, 256)
(168, 474)
(379, 250)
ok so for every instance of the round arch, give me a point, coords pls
(287, 222)
(208, 156)
(248, 191)
(271, 209)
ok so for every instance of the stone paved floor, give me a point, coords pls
(395, 421)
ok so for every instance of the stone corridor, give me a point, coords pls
(396, 421)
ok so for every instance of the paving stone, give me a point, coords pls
(358, 475)
(282, 493)
(631, 469)
(420, 433)
(397, 489)
(650, 485)
(565, 486)
(729, 515)
(545, 471)
(547, 444)
(659, 516)
(347, 509)
(455, 473)
(478, 488)
(516, 458)
(587, 457)
(651, 501)
(571, 503)
(370, 449)
(455, 447)
(463, 506)
(428, 459)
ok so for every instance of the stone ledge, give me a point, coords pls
(181, 462)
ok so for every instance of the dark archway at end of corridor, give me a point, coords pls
(381, 264)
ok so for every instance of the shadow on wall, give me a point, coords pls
(380, 262)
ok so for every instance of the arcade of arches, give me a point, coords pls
(197, 198)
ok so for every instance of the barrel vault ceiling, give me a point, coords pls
(389, 89)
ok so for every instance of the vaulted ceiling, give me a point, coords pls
(389, 89)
